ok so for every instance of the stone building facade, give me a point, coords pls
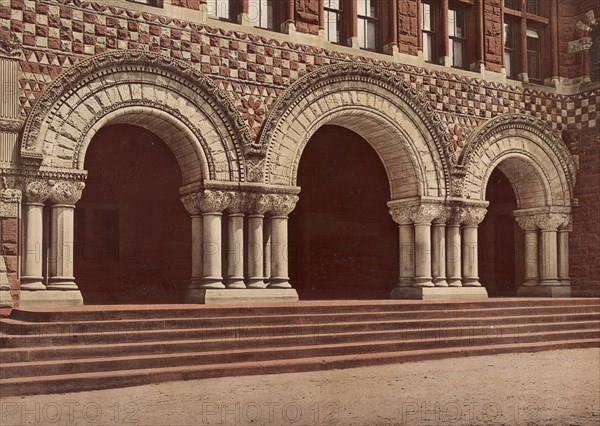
(482, 115)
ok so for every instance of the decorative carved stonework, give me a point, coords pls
(238, 203)
(474, 215)
(11, 125)
(527, 222)
(66, 192)
(401, 214)
(551, 221)
(282, 205)
(426, 213)
(10, 47)
(9, 201)
(456, 215)
(258, 204)
(206, 201)
(37, 191)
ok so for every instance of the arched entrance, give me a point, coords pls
(500, 239)
(132, 233)
(344, 242)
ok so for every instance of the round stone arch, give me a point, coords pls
(181, 105)
(533, 157)
(402, 127)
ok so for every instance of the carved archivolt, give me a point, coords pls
(186, 87)
(403, 104)
(522, 136)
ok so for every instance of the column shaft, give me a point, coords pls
(423, 255)
(256, 276)
(197, 256)
(61, 248)
(549, 261)
(32, 275)
(439, 254)
(235, 250)
(279, 252)
(531, 258)
(563, 256)
(211, 250)
(407, 255)
(470, 257)
(453, 255)
(267, 249)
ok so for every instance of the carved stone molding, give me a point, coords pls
(473, 216)
(281, 205)
(13, 125)
(238, 203)
(9, 201)
(206, 201)
(456, 215)
(66, 192)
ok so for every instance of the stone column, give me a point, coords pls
(64, 195)
(36, 193)
(206, 209)
(280, 207)
(267, 249)
(529, 227)
(258, 206)
(438, 236)
(473, 217)
(454, 247)
(406, 237)
(563, 252)
(422, 216)
(235, 241)
(548, 224)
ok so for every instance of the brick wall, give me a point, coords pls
(408, 36)
(492, 30)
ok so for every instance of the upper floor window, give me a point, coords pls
(534, 55)
(156, 3)
(333, 20)
(428, 32)
(533, 7)
(457, 32)
(261, 13)
(220, 9)
(510, 47)
(512, 4)
(368, 24)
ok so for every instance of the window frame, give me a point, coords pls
(150, 3)
(462, 40)
(511, 73)
(594, 53)
(273, 5)
(537, 52)
(230, 10)
(431, 32)
(341, 18)
(369, 19)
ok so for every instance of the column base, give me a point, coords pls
(280, 283)
(236, 283)
(546, 291)
(439, 293)
(454, 282)
(5, 298)
(256, 283)
(241, 296)
(49, 298)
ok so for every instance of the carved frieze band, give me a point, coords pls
(214, 201)
(58, 192)
(427, 213)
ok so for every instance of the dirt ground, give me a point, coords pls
(545, 388)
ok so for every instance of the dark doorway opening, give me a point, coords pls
(499, 236)
(132, 233)
(343, 241)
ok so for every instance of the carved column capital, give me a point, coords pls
(238, 203)
(474, 215)
(258, 204)
(206, 201)
(426, 213)
(65, 191)
(9, 202)
(37, 190)
(282, 204)
(456, 215)
(401, 214)
(551, 221)
(527, 222)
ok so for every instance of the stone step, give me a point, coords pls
(167, 342)
(124, 312)
(77, 382)
(11, 326)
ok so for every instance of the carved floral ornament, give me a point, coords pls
(10, 46)
(59, 192)
(216, 201)
(544, 221)
(428, 213)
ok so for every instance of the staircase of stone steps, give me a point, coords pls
(99, 347)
